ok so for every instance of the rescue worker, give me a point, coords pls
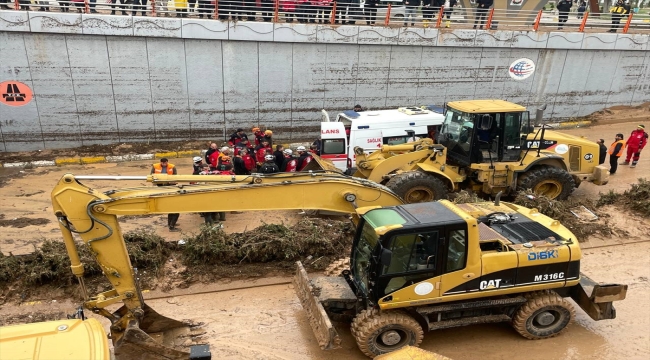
(304, 158)
(358, 108)
(602, 151)
(197, 165)
(563, 8)
(243, 144)
(259, 134)
(279, 155)
(209, 217)
(268, 135)
(225, 166)
(212, 149)
(261, 149)
(164, 167)
(615, 151)
(243, 163)
(482, 10)
(269, 166)
(237, 137)
(635, 143)
(290, 164)
(618, 11)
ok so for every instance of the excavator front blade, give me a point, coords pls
(320, 164)
(326, 335)
(154, 337)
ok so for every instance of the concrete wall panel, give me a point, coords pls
(91, 79)
(372, 77)
(403, 75)
(642, 91)
(340, 77)
(518, 91)
(461, 74)
(131, 88)
(308, 88)
(168, 77)
(569, 94)
(432, 80)
(205, 90)
(19, 126)
(547, 76)
(275, 87)
(50, 70)
(599, 81)
(626, 76)
(240, 83)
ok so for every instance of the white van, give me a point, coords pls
(371, 129)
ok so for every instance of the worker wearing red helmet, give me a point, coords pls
(290, 163)
(304, 157)
(635, 143)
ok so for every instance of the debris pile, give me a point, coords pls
(636, 198)
(269, 242)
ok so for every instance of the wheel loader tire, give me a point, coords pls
(380, 333)
(544, 315)
(336, 268)
(550, 181)
(417, 187)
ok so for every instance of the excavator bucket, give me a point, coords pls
(326, 335)
(155, 337)
(320, 164)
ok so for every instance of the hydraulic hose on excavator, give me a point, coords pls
(92, 215)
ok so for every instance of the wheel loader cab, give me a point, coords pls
(483, 131)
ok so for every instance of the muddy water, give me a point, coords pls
(268, 322)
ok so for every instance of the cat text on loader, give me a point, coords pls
(487, 146)
(136, 330)
(436, 265)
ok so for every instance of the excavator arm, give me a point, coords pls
(92, 215)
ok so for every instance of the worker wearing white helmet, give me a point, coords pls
(290, 163)
(197, 164)
(269, 166)
(304, 157)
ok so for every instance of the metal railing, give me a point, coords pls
(394, 14)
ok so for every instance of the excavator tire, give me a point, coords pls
(380, 333)
(550, 181)
(544, 315)
(417, 187)
(336, 268)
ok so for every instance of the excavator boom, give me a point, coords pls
(92, 215)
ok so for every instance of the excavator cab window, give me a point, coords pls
(414, 257)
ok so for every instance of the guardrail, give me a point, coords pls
(342, 13)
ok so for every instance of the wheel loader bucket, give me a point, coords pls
(320, 164)
(155, 337)
(326, 335)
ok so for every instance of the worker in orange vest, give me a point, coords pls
(164, 167)
(615, 151)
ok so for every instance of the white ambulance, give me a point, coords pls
(371, 129)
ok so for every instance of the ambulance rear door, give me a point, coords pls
(334, 143)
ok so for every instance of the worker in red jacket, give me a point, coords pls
(244, 163)
(304, 157)
(290, 163)
(237, 137)
(635, 143)
(261, 150)
(259, 134)
(213, 158)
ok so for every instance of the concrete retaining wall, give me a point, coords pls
(103, 79)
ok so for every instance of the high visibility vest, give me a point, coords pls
(158, 169)
(618, 10)
(613, 146)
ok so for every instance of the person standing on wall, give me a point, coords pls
(164, 167)
(482, 8)
(581, 9)
(615, 152)
(449, 9)
(411, 11)
(563, 8)
(603, 151)
(635, 143)
(141, 5)
(370, 11)
(618, 11)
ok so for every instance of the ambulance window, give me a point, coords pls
(333, 146)
(395, 140)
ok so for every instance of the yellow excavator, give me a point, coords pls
(487, 146)
(136, 330)
(413, 267)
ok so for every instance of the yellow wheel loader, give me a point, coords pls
(427, 266)
(487, 146)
